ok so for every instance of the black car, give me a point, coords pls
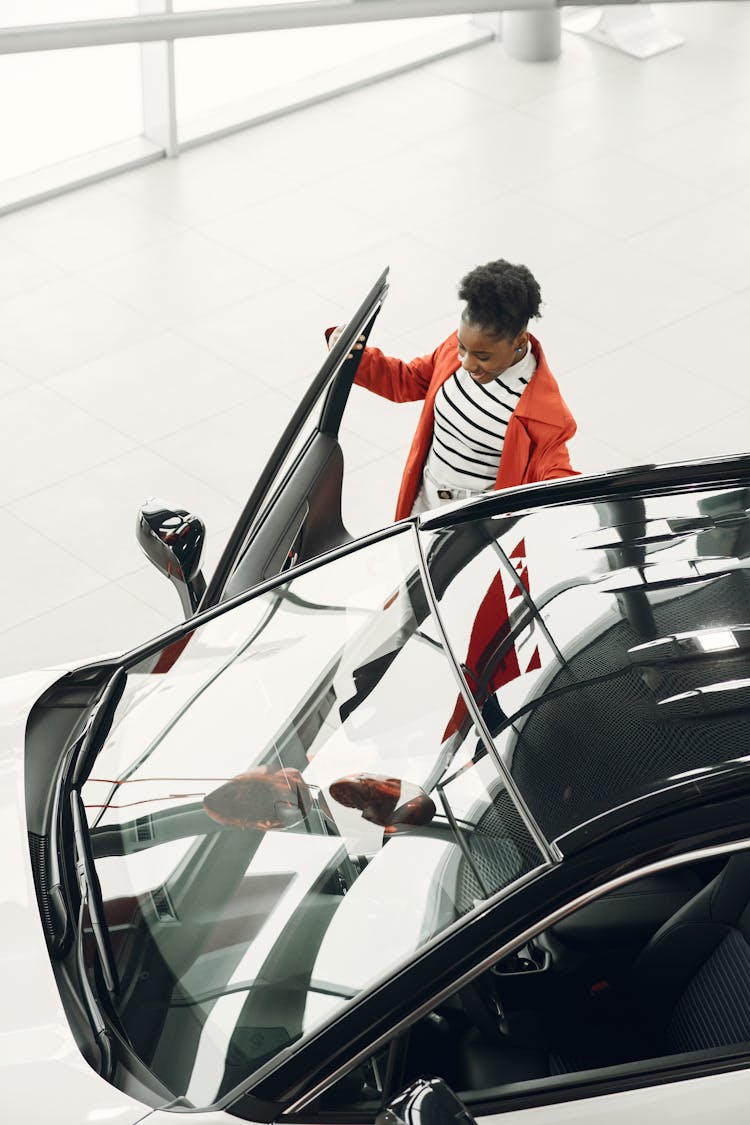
(466, 799)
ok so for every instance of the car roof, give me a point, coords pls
(638, 597)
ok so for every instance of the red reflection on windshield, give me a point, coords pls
(259, 799)
(168, 656)
(386, 801)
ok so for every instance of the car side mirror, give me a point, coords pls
(428, 1101)
(172, 540)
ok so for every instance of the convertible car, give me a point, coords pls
(449, 821)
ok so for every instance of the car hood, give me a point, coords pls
(39, 1057)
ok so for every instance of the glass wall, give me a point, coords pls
(61, 104)
(25, 13)
(78, 105)
(244, 75)
(67, 103)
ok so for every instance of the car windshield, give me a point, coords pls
(292, 799)
(607, 643)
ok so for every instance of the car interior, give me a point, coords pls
(642, 978)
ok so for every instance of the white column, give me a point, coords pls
(532, 36)
(158, 84)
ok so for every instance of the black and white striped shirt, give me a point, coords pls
(470, 423)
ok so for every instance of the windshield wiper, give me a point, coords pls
(91, 896)
(91, 892)
(97, 727)
(96, 731)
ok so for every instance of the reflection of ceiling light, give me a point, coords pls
(691, 773)
(717, 641)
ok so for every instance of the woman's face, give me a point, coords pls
(486, 357)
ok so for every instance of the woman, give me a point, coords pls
(493, 414)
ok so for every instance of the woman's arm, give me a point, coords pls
(393, 378)
(384, 375)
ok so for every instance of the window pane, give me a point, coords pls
(67, 103)
(595, 998)
(20, 13)
(606, 642)
(214, 73)
(290, 809)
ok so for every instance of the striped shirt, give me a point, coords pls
(470, 423)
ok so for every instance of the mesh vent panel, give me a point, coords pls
(592, 747)
(501, 850)
(38, 848)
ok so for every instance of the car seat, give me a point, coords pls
(689, 991)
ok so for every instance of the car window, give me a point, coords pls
(290, 803)
(301, 481)
(641, 982)
(606, 642)
(282, 474)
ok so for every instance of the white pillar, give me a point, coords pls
(158, 85)
(532, 36)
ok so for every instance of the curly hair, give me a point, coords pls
(500, 298)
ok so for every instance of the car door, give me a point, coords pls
(315, 1088)
(357, 1065)
(294, 510)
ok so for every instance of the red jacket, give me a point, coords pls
(535, 441)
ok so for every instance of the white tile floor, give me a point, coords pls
(156, 330)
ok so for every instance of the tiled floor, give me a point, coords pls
(157, 330)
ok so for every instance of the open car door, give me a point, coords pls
(294, 510)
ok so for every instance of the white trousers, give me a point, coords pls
(433, 494)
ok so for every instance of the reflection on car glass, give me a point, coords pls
(387, 801)
(262, 799)
(494, 842)
(156, 739)
(281, 840)
(582, 687)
